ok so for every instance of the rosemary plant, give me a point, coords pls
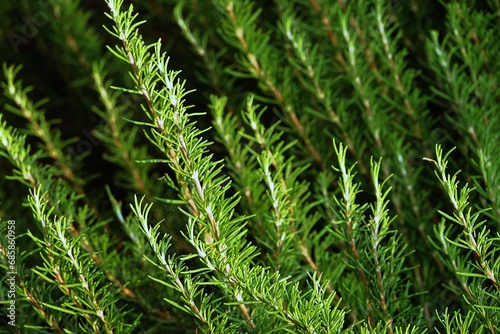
(246, 166)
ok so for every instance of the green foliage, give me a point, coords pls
(244, 166)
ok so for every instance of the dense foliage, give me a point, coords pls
(220, 166)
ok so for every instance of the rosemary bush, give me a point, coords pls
(316, 167)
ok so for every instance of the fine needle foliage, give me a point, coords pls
(218, 166)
